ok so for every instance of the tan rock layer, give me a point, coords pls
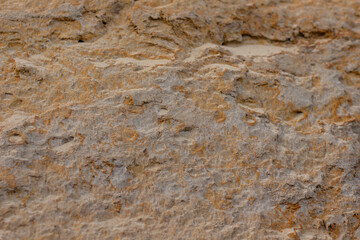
(168, 119)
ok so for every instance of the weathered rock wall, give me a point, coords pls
(164, 119)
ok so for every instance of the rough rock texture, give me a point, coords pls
(164, 119)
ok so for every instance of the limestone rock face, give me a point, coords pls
(164, 119)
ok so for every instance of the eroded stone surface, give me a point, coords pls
(160, 119)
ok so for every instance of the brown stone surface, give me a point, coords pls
(164, 119)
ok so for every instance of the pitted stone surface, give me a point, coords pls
(162, 119)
